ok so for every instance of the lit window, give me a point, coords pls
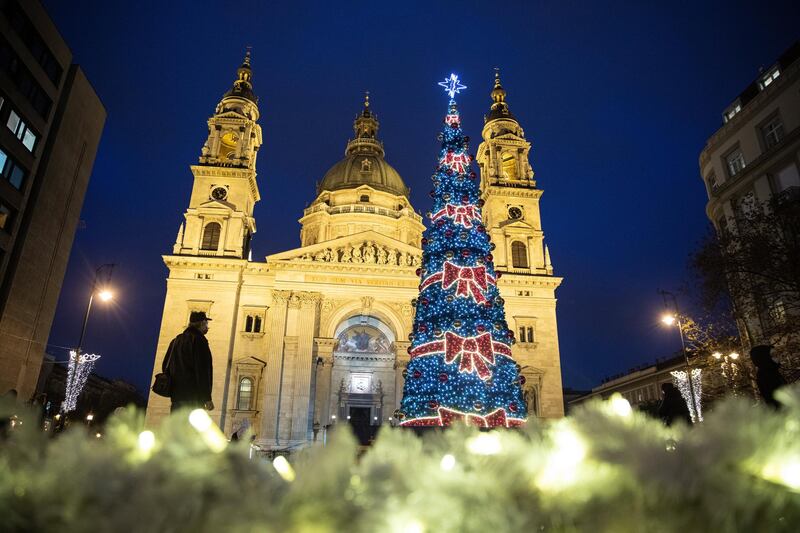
(735, 162)
(245, 394)
(768, 78)
(21, 130)
(731, 111)
(519, 255)
(773, 132)
(11, 170)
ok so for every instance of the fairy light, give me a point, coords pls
(485, 444)
(146, 441)
(682, 382)
(619, 405)
(784, 471)
(209, 432)
(561, 468)
(77, 375)
(283, 468)
(461, 366)
(447, 463)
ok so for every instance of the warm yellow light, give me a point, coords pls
(105, 295)
(147, 440)
(717, 355)
(734, 355)
(283, 468)
(561, 469)
(200, 420)
(98, 435)
(413, 527)
(448, 463)
(90, 417)
(619, 405)
(485, 444)
(668, 319)
(786, 472)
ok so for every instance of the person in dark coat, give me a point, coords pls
(768, 376)
(189, 365)
(673, 407)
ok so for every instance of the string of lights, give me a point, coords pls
(682, 382)
(461, 366)
(77, 374)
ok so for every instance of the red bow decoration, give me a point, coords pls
(452, 119)
(468, 280)
(455, 161)
(461, 214)
(447, 417)
(475, 353)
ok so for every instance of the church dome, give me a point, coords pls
(364, 162)
(363, 169)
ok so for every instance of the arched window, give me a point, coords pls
(519, 255)
(245, 394)
(211, 236)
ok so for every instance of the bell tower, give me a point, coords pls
(219, 221)
(511, 210)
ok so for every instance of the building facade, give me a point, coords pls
(752, 160)
(50, 126)
(318, 335)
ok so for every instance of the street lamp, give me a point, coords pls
(105, 295)
(727, 361)
(669, 320)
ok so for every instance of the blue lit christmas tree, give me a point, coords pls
(461, 366)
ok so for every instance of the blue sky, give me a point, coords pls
(617, 98)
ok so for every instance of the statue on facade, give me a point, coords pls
(381, 255)
(391, 256)
(346, 255)
(357, 253)
(369, 253)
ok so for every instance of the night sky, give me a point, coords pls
(617, 100)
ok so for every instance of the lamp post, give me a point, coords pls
(105, 295)
(669, 320)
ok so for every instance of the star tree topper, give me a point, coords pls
(452, 85)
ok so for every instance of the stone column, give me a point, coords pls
(322, 399)
(276, 331)
(303, 365)
(401, 359)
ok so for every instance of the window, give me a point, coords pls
(245, 394)
(519, 255)
(735, 162)
(23, 79)
(526, 334)
(211, 236)
(6, 217)
(787, 177)
(509, 165)
(522, 335)
(768, 78)
(27, 32)
(772, 132)
(777, 312)
(21, 130)
(731, 111)
(530, 334)
(364, 198)
(252, 324)
(745, 205)
(11, 170)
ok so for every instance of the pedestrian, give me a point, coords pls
(673, 407)
(189, 366)
(768, 375)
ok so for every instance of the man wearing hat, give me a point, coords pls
(189, 367)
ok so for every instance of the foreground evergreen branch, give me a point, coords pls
(605, 468)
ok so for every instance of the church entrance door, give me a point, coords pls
(360, 422)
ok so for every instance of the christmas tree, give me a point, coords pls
(461, 366)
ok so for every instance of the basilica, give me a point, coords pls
(318, 335)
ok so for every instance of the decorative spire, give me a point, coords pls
(499, 107)
(243, 86)
(365, 127)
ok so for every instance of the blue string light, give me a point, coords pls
(462, 301)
